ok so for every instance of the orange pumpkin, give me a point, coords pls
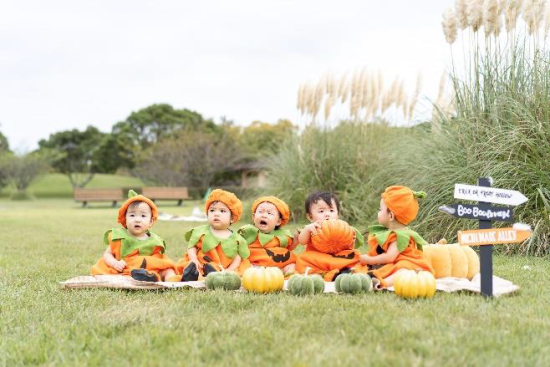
(452, 260)
(333, 236)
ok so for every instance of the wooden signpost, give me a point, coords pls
(486, 236)
(475, 212)
(488, 194)
(493, 236)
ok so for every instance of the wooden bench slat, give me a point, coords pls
(114, 195)
(173, 193)
(98, 194)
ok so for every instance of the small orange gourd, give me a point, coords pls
(334, 236)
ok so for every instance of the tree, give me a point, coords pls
(191, 158)
(151, 124)
(76, 153)
(4, 150)
(23, 170)
(114, 152)
(261, 138)
(4, 145)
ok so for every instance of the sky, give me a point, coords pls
(70, 64)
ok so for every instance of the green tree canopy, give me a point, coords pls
(261, 138)
(4, 145)
(151, 124)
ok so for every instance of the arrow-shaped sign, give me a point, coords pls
(493, 236)
(475, 212)
(489, 195)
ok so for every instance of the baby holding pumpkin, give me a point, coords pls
(392, 246)
(268, 242)
(320, 259)
(214, 247)
(134, 250)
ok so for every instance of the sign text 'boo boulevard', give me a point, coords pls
(486, 236)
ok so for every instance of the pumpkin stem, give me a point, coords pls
(307, 270)
(223, 269)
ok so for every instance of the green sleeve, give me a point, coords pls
(359, 238)
(106, 237)
(243, 250)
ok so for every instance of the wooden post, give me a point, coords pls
(486, 252)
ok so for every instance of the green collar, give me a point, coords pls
(381, 234)
(251, 233)
(231, 246)
(129, 243)
(359, 238)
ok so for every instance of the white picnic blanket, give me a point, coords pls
(197, 215)
(449, 285)
(123, 282)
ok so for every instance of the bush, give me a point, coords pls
(21, 171)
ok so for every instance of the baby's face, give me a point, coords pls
(320, 211)
(219, 215)
(383, 214)
(266, 217)
(139, 219)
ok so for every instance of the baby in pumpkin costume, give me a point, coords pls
(269, 244)
(321, 206)
(392, 246)
(213, 247)
(134, 250)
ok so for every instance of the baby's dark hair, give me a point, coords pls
(326, 196)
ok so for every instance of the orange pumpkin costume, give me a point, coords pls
(273, 248)
(217, 252)
(402, 202)
(269, 249)
(330, 265)
(409, 244)
(145, 254)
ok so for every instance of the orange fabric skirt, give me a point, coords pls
(154, 263)
(214, 257)
(272, 254)
(328, 265)
(410, 258)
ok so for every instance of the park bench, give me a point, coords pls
(166, 193)
(87, 195)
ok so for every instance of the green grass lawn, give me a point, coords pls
(57, 185)
(51, 240)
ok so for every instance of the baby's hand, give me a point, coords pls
(312, 228)
(365, 260)
(197, 263)
(119, 265)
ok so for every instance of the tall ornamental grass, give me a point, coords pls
(500, 128)
(343, 159)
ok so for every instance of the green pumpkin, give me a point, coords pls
(353, 283)
(302, 285)
(228, 280)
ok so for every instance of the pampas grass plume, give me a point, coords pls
(474, 11)
(490, 15)
(343, 88)
(461, 14)
(449, 25)
(511, 14)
